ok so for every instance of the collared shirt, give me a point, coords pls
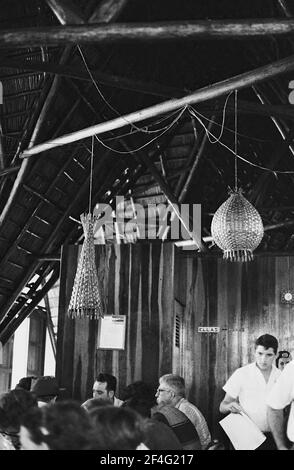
(117, 401)
(5, 442)
(282, 394)
(197, 419)
(248, 385)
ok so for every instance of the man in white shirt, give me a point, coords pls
(104, 388)
(173, 387)
(248, 387)
(282, 395)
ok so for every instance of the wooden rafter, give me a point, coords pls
(11, 326)
(207, 93)
(89, 34)
(165, 188)
(259, 191)
(148, 88)
(108, 11)
(66, 11)
(27, 309)
(196, 154)
(42, 113)
(115, 81)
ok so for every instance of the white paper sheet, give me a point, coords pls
(242, 432)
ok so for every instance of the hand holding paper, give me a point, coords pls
(242, 432)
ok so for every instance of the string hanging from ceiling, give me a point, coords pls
(236, 226)
(86, 300)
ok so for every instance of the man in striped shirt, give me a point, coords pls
(175, 396)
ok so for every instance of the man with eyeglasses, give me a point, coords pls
(171, 391)
(175, 419)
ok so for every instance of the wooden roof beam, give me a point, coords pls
(66, 11)
(42, 113)
(116, 81)
(108, 11)
(213, 91)
(26, 310)
(160, 31)
(148, 88)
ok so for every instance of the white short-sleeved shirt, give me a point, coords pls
(247, 384)
(282, 394)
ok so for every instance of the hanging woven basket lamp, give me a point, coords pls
(237, 228)
(85, 298)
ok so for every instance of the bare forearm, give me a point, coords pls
(232, 407)
(277, 426)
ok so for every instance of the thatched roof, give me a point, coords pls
(71, 65)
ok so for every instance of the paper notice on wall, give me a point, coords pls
(111, 332)
(242, 432)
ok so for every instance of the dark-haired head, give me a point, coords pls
(117, 428)
(92, 403)
(267, 341)
(109, 379)
(62, 425)
(14, 404)
(139, 389)
(26, 382)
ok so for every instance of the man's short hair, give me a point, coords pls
(92, 403)
(267, 341)
(176, 383)
(109, 379)
(117, 428)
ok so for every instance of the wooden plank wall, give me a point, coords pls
(243, 299)
(136, 280)
(145, 282)
(36, 347)
(6, 365)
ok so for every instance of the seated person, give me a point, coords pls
(46, 389)
(58, 426)
(14, 405)
(117, 428)
(158, 436)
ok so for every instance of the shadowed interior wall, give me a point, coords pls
(147, 283)
(243, 299)
(137, 281)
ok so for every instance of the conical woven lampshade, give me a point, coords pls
(237, 228)
(85, 298)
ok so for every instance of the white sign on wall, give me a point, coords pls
(112, 332)
(208, 329)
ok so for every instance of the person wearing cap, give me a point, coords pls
(45, 389)
(249, 386)
(283, 358)
(281, 396)
(104, 388)
(26, 382)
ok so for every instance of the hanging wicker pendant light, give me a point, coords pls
(237, 228)
(85, 298)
